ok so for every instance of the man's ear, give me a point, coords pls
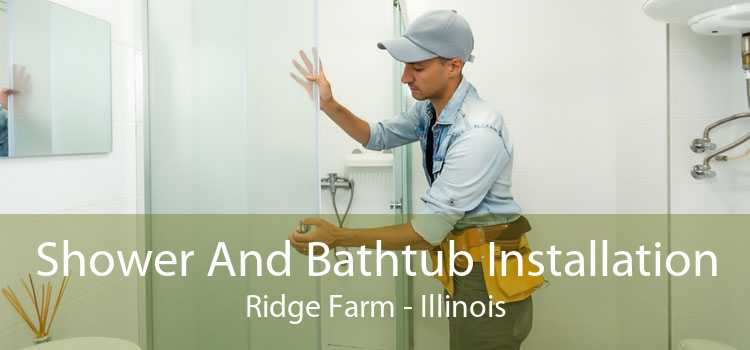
(457, 65)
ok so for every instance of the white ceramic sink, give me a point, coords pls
(92, 343)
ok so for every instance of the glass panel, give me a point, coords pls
(231, 133)
(63, 81)
(361, 79)
(225, 138)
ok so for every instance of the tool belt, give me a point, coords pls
(476, 241)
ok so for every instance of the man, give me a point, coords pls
(4, 94)
(468, 163)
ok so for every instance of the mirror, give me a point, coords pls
(55, 84)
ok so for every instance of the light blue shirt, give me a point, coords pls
(472, 162)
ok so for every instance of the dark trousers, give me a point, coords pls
(487, 333)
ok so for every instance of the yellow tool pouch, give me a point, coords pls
(513, 286)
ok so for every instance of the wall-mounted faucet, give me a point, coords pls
(703, 171)
(705, 144)
(332, 182)
(713, 18)
(701, 145)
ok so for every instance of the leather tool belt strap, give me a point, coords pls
(475, 240)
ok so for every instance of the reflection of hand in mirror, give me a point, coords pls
(307, 78)
(22, 84)
(21, 80)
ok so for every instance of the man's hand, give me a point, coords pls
(324, 232)
(357, 128)
(22, 83)
(307, 79)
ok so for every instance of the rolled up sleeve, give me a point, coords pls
(396, 131)
(473, 163)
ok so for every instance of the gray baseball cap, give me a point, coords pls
(439, 33)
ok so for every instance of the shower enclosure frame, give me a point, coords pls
(402, 160)
(401, 201)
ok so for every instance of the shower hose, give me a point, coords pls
(341, 219)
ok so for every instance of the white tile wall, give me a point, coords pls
(707, 84)
(85, 184)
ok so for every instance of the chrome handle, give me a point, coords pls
(303, 228)
(701, 171)
(702, 145)
(396, 205)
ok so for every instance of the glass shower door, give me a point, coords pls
(233, 159)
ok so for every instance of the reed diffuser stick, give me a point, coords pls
(28, 292)
(42, 304)
(60, 294)
(45, 302)
(19, 308)
(36, 303)
(46, 307)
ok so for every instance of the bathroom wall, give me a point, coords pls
(105, 183)
(706, 84)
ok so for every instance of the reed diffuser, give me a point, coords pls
(41, 302)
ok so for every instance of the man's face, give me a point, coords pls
(428, 79)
